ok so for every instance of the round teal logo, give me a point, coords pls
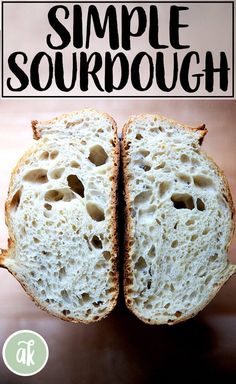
(25, 353)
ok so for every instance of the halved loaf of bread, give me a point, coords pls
(61, 216)
(179, 220)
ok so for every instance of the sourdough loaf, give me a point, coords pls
(179, 220)
(61, 216)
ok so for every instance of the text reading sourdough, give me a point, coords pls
(149, 49)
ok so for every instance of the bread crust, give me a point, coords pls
(128, 241)
(113, 222)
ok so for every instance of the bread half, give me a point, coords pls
(179, 220)
(62, 219)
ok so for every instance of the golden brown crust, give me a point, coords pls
(128, 240)
(114, 216)
(36, 134)
(227, 192)
(114, 232)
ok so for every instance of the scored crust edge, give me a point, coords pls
(128, 219)
(113, 222)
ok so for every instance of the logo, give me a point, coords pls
(25, 353)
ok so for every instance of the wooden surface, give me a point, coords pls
(121, 349)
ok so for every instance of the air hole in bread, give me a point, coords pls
(87, 240)
(200, 270)
(174, 244)
(97, 155)
(164, 187)
(161, 165)
(61, 273)
(140, 264)
(184, 178)
(74, 164)
(208, 279)
(166, 305)
(144, 152)
(136, 300)
(106, 255)
(202, 181)
(190, 222)
(142, 197)
(200, 205)
(95, 212)
(88, 312)
(48, 206)
(194, 237)
(73, 123)
(101, 265)
(129, 301)
(182, 201)
(184, 158)
(54, 154)
(172, 288)
(213, 258)
(225, 197)
(85, 297)
(138, 136)
(38, 176)
(97, 303)
(151, 252)
(44, 155)
(146, 167)
(34, 223)
(154, 129)
(178, 313)
(36, 240)
(55, 195)
(23, 231)
(56, 173)
(96, 242)
(65, 312)
(15, 201)
(76, 185)
(127, 146)
(206, 231)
